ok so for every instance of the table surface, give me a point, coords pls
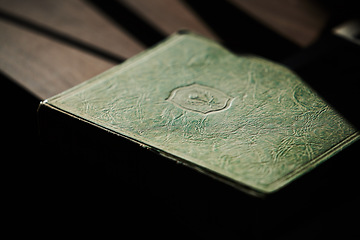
(50, 46)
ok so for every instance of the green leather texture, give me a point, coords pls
(244, 120)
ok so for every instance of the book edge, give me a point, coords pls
(288, 178)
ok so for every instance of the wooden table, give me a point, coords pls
(48, 46)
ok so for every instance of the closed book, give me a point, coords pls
(192, 138)
(242, 120)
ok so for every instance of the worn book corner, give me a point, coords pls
(245, 121)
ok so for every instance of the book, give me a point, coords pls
(243, 120)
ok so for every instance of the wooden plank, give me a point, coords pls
(78, 20)
(169, 16)
(301, 21)
(44, 67)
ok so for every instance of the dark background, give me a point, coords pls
(48, 193)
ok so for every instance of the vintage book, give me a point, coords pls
(243, 120)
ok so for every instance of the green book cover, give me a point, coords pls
(243, 120)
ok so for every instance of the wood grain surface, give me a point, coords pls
(44, 66)
(76, 19)
(170, 16)
(301, 21)
(48, 46)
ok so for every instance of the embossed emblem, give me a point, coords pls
(199, 98)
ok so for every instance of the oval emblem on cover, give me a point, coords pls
(199, 98)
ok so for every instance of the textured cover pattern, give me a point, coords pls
(245, 120)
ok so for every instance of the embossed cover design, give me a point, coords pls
(244, 120)
(200, 99)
